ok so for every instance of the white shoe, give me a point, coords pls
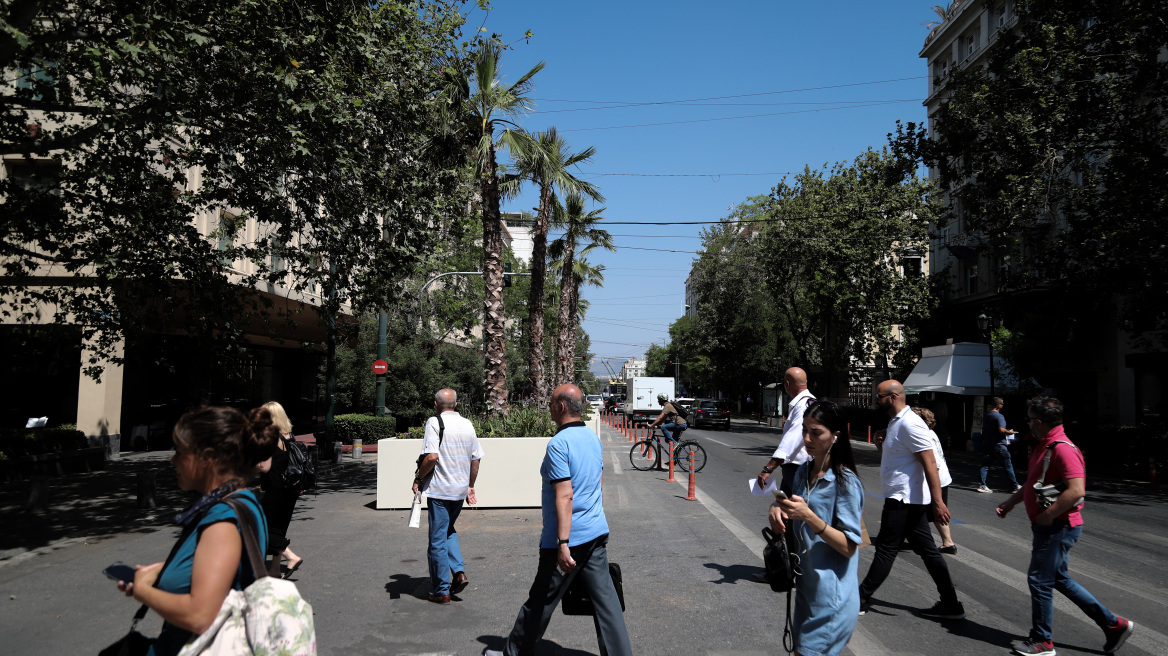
(492, 652)
(983, 489)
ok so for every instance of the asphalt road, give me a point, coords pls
(687, 566)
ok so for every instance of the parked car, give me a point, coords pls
(685, 402)
(708, 412)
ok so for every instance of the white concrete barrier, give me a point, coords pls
(508, 476)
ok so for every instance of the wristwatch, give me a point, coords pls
(559, 542)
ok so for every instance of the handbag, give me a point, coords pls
(1046, 494)
(782, 565)
(134, 643)
(423, 482)
(300, 474)
(577, 601)
(268, 617)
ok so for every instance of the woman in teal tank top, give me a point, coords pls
(216, 453)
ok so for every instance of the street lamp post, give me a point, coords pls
(986, 324)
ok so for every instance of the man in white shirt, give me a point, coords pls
(452, 453)
(790, 452)
(910, 483)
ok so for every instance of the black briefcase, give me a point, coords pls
(577, 601)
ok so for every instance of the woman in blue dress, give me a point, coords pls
(216, 451)
(824, 512)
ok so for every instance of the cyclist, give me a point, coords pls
(670, 420)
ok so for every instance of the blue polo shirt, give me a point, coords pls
(574, 454)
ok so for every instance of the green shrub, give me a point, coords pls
(366, 428)
(16, 442)
(413, 433)
(518, 422)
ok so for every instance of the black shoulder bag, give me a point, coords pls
(423, 482)
(134, 643)
(300, 474)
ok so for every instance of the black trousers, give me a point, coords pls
(549, 586)
(900, 521)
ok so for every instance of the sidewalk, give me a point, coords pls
(365, 572)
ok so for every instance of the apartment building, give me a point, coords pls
(1116, 379)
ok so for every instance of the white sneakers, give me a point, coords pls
(983, 489)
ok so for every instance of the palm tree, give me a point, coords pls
(579, 228)
(583, 273)
(490, 107)
(547, 165)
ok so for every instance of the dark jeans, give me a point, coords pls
(549, 586)
(1001, 452)
(1049, 554)
(900, 521)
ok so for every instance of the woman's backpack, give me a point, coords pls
(301, 472)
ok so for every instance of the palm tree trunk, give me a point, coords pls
(494, 337)
(574, 319)
(566, 341)
(535, 329)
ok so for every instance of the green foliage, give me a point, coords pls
(316, 120)
(1055, 155)
(366, 428)
(516, 422)
(809, 276)
(16, 442)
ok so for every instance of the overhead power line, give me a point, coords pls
(734, 118)
(741, 95)
(699, 104)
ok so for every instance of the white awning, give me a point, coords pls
(961, 368)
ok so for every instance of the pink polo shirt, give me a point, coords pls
(1065, 462)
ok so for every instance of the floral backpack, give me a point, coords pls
(268, 618)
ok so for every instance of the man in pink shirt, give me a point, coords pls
(1056, 527)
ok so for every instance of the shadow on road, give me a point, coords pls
(965, 628)
(542, 648)
(735, 573)
(411, 586)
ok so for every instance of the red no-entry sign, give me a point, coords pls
(380, 367)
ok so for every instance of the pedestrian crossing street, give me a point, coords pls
(864, 641)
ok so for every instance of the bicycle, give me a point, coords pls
(647, 453)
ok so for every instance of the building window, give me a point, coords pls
(971, 286)
(970, 44)
(1003, 269)
(913, 267)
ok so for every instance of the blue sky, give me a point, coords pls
(772, 87)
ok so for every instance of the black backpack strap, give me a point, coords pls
(441, 429)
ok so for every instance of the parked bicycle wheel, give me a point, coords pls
(643, 455)
(681, 454)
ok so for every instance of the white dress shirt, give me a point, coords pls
(790, 449)
(902, 475)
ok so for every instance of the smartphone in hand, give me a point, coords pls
(120, 572)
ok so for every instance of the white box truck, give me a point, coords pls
(641, 406)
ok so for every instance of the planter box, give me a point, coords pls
(508, 476)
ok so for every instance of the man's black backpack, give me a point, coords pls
(301, 472)
(681, 411)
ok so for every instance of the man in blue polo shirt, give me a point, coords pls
(575, 535)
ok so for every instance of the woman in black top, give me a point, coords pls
(279, 501)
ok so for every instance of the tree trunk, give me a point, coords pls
(535, 301)
(566, 341)
(574, 320)
(494, 335)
